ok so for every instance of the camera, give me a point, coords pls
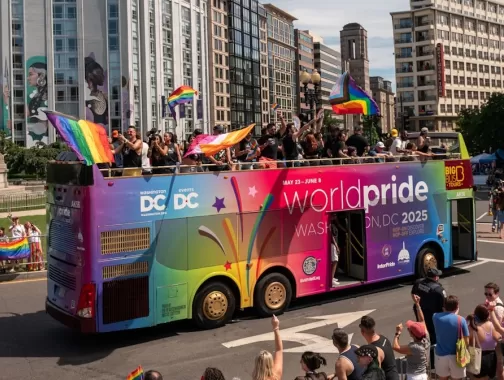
(151, 135)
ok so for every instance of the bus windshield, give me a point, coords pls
(139, 250)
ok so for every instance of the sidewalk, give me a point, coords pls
(41, 211)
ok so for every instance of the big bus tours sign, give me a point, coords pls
(440, 66)
(457, 175)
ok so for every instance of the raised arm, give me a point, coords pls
(278, 356)
(404, 349)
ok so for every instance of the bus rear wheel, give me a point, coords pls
(272, 295)
(214, 306)
(427, 259)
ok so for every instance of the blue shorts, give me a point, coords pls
(500, 216)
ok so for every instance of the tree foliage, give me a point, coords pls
(483, 128)
(32, 161)
(372, 128)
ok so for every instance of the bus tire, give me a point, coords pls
(427, 258)
(214, 305)
(272, 295)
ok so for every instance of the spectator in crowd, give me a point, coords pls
(152, 375)
(385, 352)
(36, 261)
(447, 325)
(268, 366)
(368, 359)
(416, 351)
(358, 141)
(3, 237)
(347, 365)
(432, 296)
(483, 335)
(212, 374)
(118, 158)
(310, 363)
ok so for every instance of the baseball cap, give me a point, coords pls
(379, 144)
(115, 133)
(367, 350)
(433, 272)
(417, 329)
(424, 130)
(394, 133)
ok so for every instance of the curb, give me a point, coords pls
(22, 276)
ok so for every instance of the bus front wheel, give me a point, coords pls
(427, 258)
(272, 295)
(214, 305)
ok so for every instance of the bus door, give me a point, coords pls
(463, 225)
(351, 243)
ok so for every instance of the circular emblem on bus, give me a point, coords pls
(386, 250)
(309, 265)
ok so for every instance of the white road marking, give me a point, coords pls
(311, 342)
(479, 262)
(482, 216)
(493, 260)
(490, 241)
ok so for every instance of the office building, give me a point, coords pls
(245, 63)
(283, 86)
(328, 64)
(449, 56)
(218, 58)
(385, 98)
(113, 69)
(263, 41)
(304, 62)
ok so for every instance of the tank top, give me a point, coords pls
(131, 159)
(358, 370)
(389, 363)
(171, 156)
(488, 343)
(425, 147)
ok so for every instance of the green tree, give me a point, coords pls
(372, 128)
(32, 161)
(483, 128)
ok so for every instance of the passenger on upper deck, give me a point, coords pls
(358, 141)
(222, 159)
(131, 149)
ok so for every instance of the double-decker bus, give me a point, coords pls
(137, 251)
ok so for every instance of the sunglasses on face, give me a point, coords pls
(488, 295)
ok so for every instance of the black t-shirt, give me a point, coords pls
(334, 145)
(290, 148)
(359, 142)
(271, 150)
(244, 145)
(389, 363)
(432, 296)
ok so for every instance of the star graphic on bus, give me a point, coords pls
(227, 266)
(252, 191)
(219, 204)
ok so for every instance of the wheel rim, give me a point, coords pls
(429, 261)
(275, 295)
(215, 305)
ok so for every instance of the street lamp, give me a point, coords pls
(310, 94)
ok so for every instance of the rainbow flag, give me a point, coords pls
(14, 249)
(211, 144)
(137, 374)
(183, 94)
(347, 98)
(275, 106)
(88, 140)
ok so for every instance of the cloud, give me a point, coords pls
(326, 18)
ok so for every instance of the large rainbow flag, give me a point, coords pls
(14, 249)
(212, 144)
(347, 98)
(88, 140)
(183, 94)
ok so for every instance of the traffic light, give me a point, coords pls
(406, 124)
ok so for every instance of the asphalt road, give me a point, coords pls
(33, 346)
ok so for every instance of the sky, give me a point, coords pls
(326, 18)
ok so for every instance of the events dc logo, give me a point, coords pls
(158, 202)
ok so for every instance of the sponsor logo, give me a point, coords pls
(309, 279)
(181, 201)
(76, 204)
(152, 202)
(386, 265)
(404, 255)
(310, 266)
(386, 250)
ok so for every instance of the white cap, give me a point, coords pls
(379, 144)
(424, 130)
